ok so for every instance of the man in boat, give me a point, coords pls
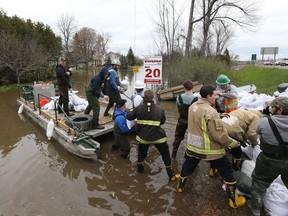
(113, 85)
(121, 129)
(63, 74)
(150, 117)
(207, 139)
(183, 101)
(93, 93)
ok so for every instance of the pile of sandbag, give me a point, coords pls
(276, 198)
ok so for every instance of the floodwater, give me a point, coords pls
(39, 177)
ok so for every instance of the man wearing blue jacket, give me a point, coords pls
(121, 129)
(93, 93)
(113, 85)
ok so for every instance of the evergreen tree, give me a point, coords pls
(130, 58)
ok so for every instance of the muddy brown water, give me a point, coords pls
(39, 177)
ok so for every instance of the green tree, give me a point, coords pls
(130, 58)
(25, 47)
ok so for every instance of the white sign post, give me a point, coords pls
(153, 70)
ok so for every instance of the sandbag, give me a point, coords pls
(248, 167)
(276, 199)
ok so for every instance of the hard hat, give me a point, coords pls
(116, 62)
(281, 102)
(222, 80)
(139, 84)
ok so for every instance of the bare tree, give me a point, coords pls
(190, 29)
(223, 34)
(21, 54)
(67, 27)
(225, 12)
(103, 41)
(85, 45)
(167, 26)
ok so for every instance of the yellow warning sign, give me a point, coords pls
(135, 69)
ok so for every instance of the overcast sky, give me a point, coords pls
(130, 25)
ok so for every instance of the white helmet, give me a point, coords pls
(116, 62)
(139, 84)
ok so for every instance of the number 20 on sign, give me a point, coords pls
(153, 70)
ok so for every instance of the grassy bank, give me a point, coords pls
(265, 79)
(6, 88)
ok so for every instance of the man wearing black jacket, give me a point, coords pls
(150, 117)
(64, 85)
(93, 93)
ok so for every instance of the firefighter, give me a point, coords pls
(273, 160)
(241, 126)
(150, 117)
(207, 139)
(183, 101)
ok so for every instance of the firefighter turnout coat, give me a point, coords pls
(207, 136)
(149, 117)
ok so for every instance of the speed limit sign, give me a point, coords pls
(153, 70)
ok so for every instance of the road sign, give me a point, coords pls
(153, 70)
(135, 69)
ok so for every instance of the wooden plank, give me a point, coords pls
(172, 93)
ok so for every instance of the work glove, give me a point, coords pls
(266, 111)
(68, 73)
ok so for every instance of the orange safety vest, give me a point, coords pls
(231, 104)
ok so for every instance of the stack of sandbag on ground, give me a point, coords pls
(276, 198)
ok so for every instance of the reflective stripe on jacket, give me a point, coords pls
(149, 117)
(207, 135)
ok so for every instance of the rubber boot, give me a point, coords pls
(236, 163)
(106, 112)
(60, 109)
(181, 184)
(170, 173)
(87, 110)
(235, 201)
(66, 110)
(176, 145)
(255, 205)
(213, 171)
(140, 167)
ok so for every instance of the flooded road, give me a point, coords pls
(39, 177)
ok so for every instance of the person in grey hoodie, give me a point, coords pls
(273, 160)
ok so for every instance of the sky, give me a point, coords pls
(130, 24)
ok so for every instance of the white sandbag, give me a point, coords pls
(130, 124)
(248, 167)
(80, 107)
(251, 152)
(124, 84)
(76, 100)
(276, 199)
(137, 100)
